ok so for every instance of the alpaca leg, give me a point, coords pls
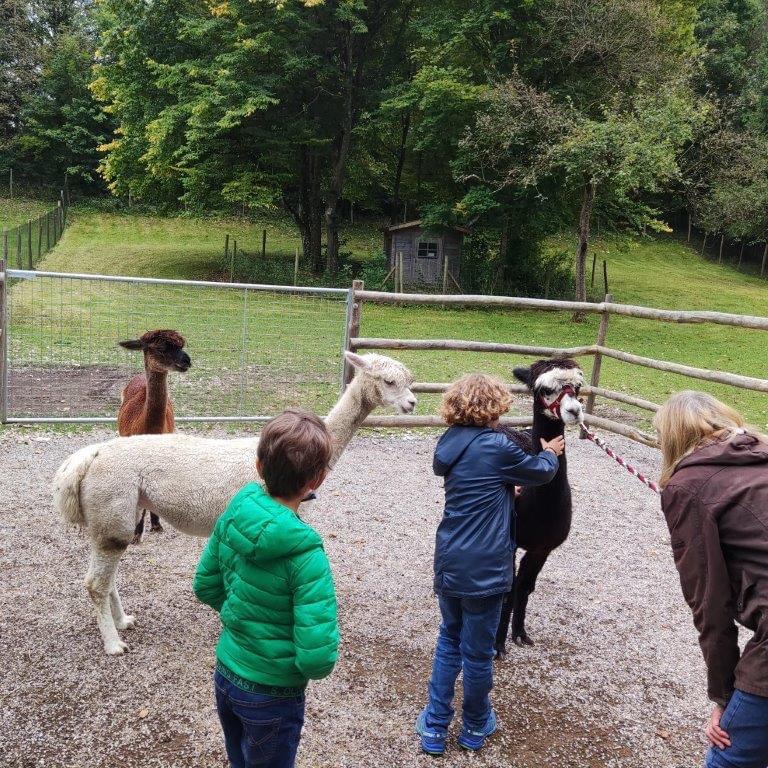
(525, 584)
(139, 531)
(99, 582)
(503, 629)
(122, 619)
(154, 523)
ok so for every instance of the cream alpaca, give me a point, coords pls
(187, 480)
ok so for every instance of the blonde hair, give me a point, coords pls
(475, 400)
(689, 420)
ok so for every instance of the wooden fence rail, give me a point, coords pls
(516, 302)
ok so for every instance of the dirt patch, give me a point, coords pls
(615, 679)
(65, 390)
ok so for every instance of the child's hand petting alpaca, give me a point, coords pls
(556, 445)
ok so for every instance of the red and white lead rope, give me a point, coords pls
(632, 471)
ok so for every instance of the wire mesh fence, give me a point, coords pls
(255, 350)
(24, 245)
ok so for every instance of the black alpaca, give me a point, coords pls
(543, 512)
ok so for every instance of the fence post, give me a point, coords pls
(3, 345)
(60, 217)
(296, 267)
(264, 244)
(19, 265)
(226, 246)
(597, 364)
(765, 254)
(5, 246)
(39, 237)
(47, 231)
(354, 312)
(29, 243)
(445, 274)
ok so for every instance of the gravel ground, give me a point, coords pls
(615, 678)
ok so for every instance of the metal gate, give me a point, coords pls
(255, 349)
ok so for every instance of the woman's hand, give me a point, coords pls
(715, 734)
(556, 445)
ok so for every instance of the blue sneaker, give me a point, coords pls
(474, 740)
(432, 741)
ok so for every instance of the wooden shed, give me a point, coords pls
(424, 253)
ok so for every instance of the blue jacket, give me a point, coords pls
(473, 547)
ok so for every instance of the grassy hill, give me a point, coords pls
(660, 273)
(20, 210)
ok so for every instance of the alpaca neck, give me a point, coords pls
(348, 414)
(548, 429)
(156, 402)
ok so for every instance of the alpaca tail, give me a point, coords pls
(66, 484)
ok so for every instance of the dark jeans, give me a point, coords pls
(259, 730)
(745, 720)
(465, 642)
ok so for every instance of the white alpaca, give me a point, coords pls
(188, 481)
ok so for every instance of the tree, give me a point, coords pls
(600, 121)
(63, 125)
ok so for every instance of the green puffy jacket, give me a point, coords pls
(267, 575)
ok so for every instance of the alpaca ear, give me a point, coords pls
(522, 374)
(357, 361)
(132, 344)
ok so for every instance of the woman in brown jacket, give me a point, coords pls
(715, 500)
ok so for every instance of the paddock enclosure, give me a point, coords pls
(615, 679)
(257, 349)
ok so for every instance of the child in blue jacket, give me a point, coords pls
(474, 552)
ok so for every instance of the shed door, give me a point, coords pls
(429, 260)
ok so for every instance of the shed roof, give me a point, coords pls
(417, 223)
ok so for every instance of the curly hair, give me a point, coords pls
(475, 400)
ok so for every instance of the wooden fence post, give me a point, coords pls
(354, 313)
(296, 267)
(5, 246)
(60, 217)
(598, 362)
(19, 264)
(39, 237)
(264, 244)
(445, 274)
(226, 246)
(720, 255)
(47, 231)
(605, 275)
(29, 243)
(3, 343)
(689, 227)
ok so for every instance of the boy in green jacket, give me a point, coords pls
(265, 572)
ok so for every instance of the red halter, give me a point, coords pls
(554, 407)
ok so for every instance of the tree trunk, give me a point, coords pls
(587, 202)
(406, 124)
(504, 241)
(340, 152)
(307, 209)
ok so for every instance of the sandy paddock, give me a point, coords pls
(615, 678)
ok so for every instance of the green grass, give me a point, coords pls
(180, 247)
(660, 273)
(20, 210)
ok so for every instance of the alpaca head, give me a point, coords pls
(388, 381)
(555, 385)
(163, 350)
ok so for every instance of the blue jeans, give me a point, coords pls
(465, 641)
(259, 730)
(745, 720)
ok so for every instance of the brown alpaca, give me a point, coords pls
(145, 405)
